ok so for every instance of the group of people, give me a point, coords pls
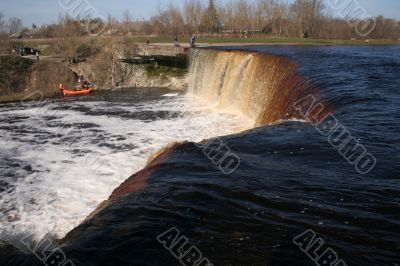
(192, 41)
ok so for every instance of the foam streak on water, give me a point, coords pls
(58, 162)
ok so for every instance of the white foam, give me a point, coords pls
(170, 95)
(71, 177)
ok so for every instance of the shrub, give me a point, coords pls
(14, 72)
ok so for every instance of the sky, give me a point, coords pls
(46, 11)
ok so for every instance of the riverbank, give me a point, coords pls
(132, 66)
(47, 45)
(140, 62)
(23, 79)
(265, 41)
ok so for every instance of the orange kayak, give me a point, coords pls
(77, 92)
(72, 92)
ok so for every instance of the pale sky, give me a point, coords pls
(46, 11)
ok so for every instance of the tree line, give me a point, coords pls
(10, 26)
(276, 18)
(232, 18)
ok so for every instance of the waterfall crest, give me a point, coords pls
(263, 87)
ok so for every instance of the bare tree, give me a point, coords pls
(69, 33)
(14, 25)
(280, 18)
(177, 20)
(193, 13)
(308, 13)
(127, 21)
(169, 21)
(210, 20)
(110, 52)
(112, 24)
(385, 28)
(3, 25)
(274, 16)
(243, 16)
(162, 21)
(111, 69)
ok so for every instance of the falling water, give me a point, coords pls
(263, 87)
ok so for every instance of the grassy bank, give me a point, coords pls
(262, 40)
(164, 71)
(48, 44)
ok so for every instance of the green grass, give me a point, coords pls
(153, 71)
(261, 40)
(211, 40)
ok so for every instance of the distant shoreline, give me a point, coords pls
(213, 41)
(264, 41)
(146, 77)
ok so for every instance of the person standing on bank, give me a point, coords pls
(192, 41)
(176, 41)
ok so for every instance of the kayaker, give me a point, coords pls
(83, 82)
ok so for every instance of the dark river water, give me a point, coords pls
(294, 198)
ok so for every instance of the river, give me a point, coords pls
(294, 193)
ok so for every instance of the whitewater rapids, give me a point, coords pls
(60, 160)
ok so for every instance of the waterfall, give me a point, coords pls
(261, 86)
